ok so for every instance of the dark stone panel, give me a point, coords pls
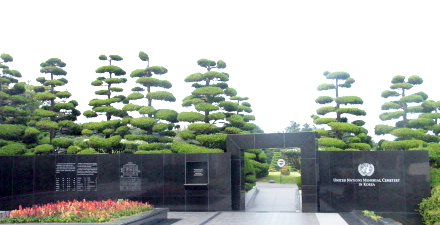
(393, 197)
(220, 203)
(157, 202)
(297, 139)
(23, 175)
(174, 177)
(6, 204)
(308, 172)
(324, 161)
(44, 197)
(175, 203)
(109, 172)
(309, 203)
(235, 194)
(44, 177)
(310, 189)
(341, 165)
(275, 140)
(219, 170)
(240, 141)
(197, 203)
(23, 200)
(417, 177)
(325, 198)
(6, 165)
(153, 175)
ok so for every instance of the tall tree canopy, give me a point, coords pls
(409, 133)
(157, 123)
(342, 135)
(56, 114)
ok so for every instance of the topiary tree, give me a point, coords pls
(157, 122)
(16, 102)
(215, 115)
(342, 135)
(409, 133)
(105, 106)
(56, 115)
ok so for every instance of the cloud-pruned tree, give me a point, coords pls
(158, 124)
(409, 133)
(341, 135)
(57, 114)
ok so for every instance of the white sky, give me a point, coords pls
(275, 51)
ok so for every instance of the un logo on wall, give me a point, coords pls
(366, 169)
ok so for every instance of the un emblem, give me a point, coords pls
(366, 169)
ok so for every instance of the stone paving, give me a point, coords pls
(276, 204)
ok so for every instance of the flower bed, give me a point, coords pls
(77, 212)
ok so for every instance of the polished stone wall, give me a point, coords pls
(182, 182)
(380, 181)
(236, 144)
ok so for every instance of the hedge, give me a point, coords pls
(88, 151)
(429, 207)
(152, 146)
(13, 149)
(217, 140)
(166, 151)
(402, 145)
(43, 149)
(180, 147)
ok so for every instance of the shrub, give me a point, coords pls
(360, 146)
(261, 169)
(13, 149)
(249, 175)
(73, 149)
(402, 145)
(43, 149)
(186, 135)
(250, 155)
(180, 147)
(285, 171)
(88, 151)
(202, 128)
(166, 151)
(429, 209)
(435, 177)
(62, 142)
(12, 131)
(217, 140)
(152, 146)
(331, 142)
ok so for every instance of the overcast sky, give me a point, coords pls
(275, 51)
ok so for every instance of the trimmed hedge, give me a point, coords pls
(217, 140)
(13, 149)
(180, 147)
(43, 149)
(88, 151)
(166, 151)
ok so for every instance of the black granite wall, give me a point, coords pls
(174, 181)
(236, 144)
(389, 181)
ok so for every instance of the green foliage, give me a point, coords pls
(152, 146)
(429, 209)
(11, 131)
(331, 142)
(180, 147)
(391, 115)
(344, 100)
(391, 105)
(352, 111)
(324, 100)
(167, 114)
(217, 140)
(143, 122)
(383, 129)
(412, 99)
(360, 146)
(146, 110)
(403, 86)
(326, 109)
(249, 174)
(43, 149)
(402, 145)
(186, 135)
(73, 149)
(324, 87)
(88, 151)
(435, 177)
(165, 151)
(143, 56)
(13, 149)
(261, 169)
(324, 120)
(202, 128)
(285, 171)
(347, 127)
(62, 142)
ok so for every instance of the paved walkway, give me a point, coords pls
(276, 204)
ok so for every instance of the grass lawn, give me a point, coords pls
(291, 179)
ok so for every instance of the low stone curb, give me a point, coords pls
(152, 217)
(368, 221)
